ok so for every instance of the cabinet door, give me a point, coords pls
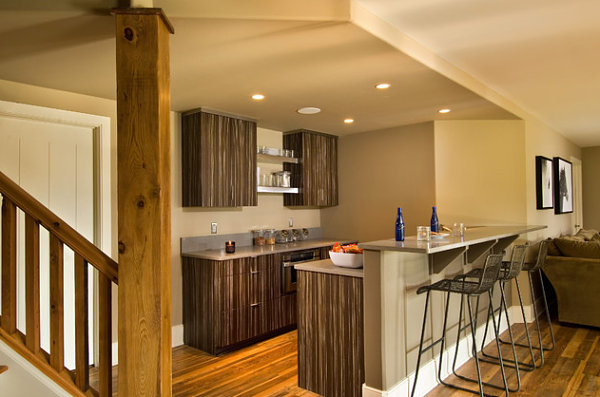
(218, 161)
(316, 175)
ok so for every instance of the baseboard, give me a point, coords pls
(176, 340)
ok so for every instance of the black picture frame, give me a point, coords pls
(544, 182)
(563, 186)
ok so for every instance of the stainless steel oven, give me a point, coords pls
(289, 260)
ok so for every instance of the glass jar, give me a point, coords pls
(258, 237)
(269, 236)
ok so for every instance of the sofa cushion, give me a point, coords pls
(553, 249)
(575, 247)
(588, 235)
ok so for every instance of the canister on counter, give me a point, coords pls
(258, 237)
(269, 236)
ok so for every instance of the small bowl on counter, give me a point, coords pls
(344, 259)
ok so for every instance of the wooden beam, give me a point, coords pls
(144, 204)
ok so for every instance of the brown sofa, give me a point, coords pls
(573, 268)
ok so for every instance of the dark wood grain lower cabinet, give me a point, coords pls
(330, 334)
(227, 304)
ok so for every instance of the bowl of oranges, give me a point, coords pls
(346, 255)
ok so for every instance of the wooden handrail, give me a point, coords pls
(3, 368)
(105, 264)
(28, 344)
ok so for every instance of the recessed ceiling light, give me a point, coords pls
(445, 110)
(383, 86)
(348, 121)
(258, 97)
(308, 110)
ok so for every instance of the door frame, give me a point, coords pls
(100, 126)
(577, 194)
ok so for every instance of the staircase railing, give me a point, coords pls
(28, 344)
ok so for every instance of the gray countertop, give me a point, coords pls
(327, 266)
(253, 251)
(473, 235)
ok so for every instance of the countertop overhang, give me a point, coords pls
(473, 236)
(441, 251)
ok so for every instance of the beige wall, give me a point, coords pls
(480, 172)
(378, 172)
(188, 222)
(543, 141)
(591, 187)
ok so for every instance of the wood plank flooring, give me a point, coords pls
(572, 369)
(269, 369)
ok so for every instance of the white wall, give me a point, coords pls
(23, 379)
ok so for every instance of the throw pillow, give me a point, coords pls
(577, 248)
(553, 249)
(588, 235)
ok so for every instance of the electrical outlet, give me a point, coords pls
(213, 227)
(291, 222)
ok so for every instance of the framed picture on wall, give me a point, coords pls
(544, 183)
(563, 186)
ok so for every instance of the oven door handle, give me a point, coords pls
(290, 264)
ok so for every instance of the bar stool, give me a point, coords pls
(531, 268)
(468, 289)
(508, 271)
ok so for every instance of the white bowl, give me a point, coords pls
(346, 260)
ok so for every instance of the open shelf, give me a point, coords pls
(276, 189)
(269, 158)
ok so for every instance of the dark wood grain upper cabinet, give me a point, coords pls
(316, 174)
(218, 155)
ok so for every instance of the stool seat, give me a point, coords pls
(456, 286)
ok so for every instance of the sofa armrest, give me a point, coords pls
(576, 282)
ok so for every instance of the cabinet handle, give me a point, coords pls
(255, 305)
(253, 271)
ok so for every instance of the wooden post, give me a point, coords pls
(144, 180)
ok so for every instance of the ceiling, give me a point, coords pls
(543, 55)
(312, 53)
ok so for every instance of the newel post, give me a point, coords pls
(143, 106)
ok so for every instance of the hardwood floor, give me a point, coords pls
(269, 369)
(572, 369)
(266, 369)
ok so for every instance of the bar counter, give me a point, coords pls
(393, 312)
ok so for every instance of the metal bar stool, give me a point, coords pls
(508, 271)
(531, 268)
(489, 275)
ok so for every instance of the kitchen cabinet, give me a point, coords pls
(316, 173)
(229, 303)
(218, 155)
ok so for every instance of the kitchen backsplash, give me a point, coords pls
(200, 243)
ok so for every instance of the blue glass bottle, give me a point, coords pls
(399, 226)
(435, 223)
